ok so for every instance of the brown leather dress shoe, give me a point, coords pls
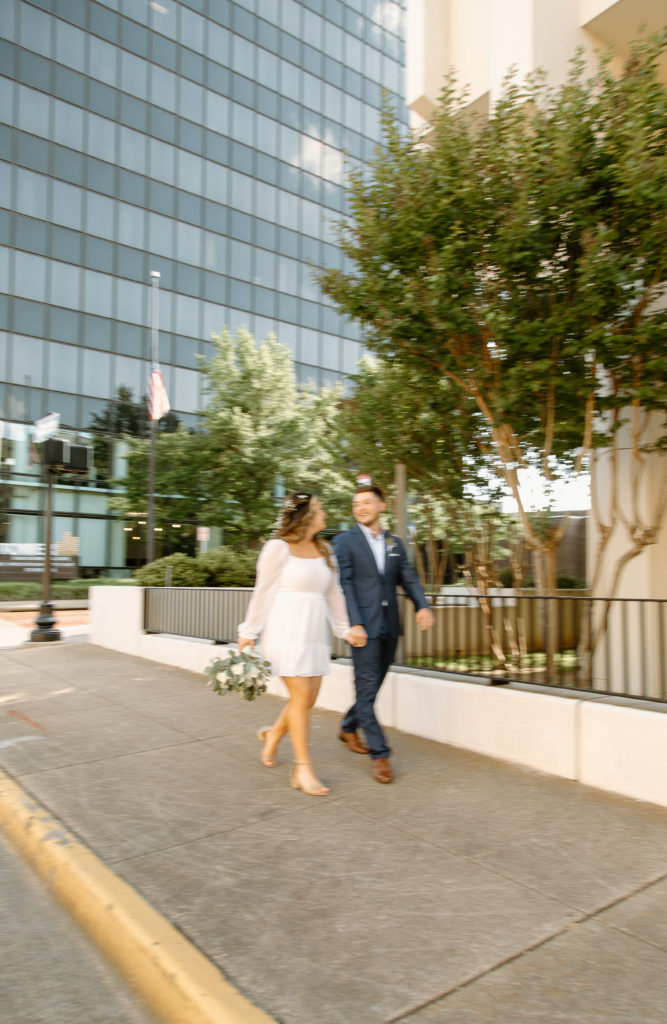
(382, 770)
(353, 742)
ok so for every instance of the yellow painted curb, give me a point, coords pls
(172, 976)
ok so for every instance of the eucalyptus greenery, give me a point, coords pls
(239, 672)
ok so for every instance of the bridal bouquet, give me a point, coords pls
(239, 672)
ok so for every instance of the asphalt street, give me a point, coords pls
(51, 972)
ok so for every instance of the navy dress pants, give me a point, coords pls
(370, 667)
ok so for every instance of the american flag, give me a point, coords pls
(158, 403)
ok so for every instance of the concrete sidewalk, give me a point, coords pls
(468, 892)
(17, 625)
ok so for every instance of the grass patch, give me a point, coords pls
(61, 590)
(476, 664)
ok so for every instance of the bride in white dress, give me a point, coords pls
(296, 597)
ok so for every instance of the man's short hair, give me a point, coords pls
(373, 488)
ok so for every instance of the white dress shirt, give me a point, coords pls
(377, 546)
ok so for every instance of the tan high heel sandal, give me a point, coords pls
(261, 734)
(295, 784)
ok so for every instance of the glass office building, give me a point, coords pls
(204, 139)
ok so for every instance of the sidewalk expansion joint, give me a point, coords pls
(584, 919)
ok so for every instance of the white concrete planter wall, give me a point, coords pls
(595, 740)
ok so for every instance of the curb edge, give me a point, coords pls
(172, 976)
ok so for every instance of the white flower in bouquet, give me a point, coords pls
(242, 672)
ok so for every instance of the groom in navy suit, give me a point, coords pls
(372, 564)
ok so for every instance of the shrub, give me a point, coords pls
(567, 582)
(225, 567)
(185, 572)
(506, 577)
(222, 567)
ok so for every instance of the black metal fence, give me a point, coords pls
(602, 646)
(206, 613)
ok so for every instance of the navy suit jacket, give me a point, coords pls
(366, 589)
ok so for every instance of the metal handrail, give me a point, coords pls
(575, 641)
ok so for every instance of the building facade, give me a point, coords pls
(481, 40)
(207, 140)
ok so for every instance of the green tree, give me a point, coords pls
(259, 431)
(180, 478)
(396, 415)
(517, 258)
(324, 464)
(122, 416)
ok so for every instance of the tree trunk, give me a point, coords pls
(541, 587)
(551, 638)
(419, 563)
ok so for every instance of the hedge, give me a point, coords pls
(222, 567)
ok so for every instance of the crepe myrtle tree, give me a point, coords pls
(394, 414)
(521, 258)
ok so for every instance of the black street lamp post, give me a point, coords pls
(45, 621)
(59, 456)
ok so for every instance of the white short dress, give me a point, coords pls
(294, 603)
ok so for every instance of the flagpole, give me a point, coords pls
(150, 520)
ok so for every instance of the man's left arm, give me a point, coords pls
(409, 580)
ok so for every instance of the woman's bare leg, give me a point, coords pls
(273, 736)
(303, 694)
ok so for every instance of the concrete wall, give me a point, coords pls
(480, 40)
(593, 740)
(640, 485)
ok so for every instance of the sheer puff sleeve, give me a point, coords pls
(340, 623)
(270, 564)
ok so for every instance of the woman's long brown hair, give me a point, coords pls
(296, 516)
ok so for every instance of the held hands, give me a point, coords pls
(357, 636)
(243, 641)
(425, 618)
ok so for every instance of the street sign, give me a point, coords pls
(46, 427)
(203, 533)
